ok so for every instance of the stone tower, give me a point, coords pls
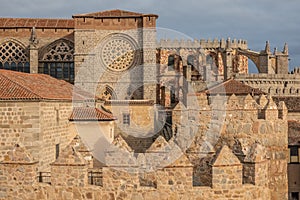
(115, 54)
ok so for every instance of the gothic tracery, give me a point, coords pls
(13, 57)
(118, 53)
(58, 61)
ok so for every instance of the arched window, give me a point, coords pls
(12, 53)
(108, 93)
(57, 60)
(191, 60)
(171, 62)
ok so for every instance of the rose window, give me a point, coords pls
(118, 53)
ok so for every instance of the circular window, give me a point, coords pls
(118, 53)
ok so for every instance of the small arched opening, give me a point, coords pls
(108, 93)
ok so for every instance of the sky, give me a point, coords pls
(255, 21)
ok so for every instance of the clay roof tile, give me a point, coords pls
(90, 114)
(113, 13)
(38, 23)
(18, 85)
(232, 86)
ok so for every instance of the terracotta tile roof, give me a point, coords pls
(38, 23)
(129, 102)
(112, 14)
(292, 102)
(231, 86)
(90, 114)
(20, 86)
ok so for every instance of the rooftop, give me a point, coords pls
(90, 114)
(23, 86)
(129, 102)
(232, 86)
(38, 23)
(112, 14)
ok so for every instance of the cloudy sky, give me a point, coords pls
(253, 20)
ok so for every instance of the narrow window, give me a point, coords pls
(27, 67)
(294, 154)
(111, 133)
(57, 116)
(59, 73)
(13, 66)
(171, 61)
(56, 151)
(6, 65)
(52, 69)
(191, 60)
(46, 68)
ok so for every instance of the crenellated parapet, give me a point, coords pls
(202, 43)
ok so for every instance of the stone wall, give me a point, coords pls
(69, 180)
(141, 117)
(54, 125)
(20, 123)
(248, 157)
(46, 192)
(45, 36)
(39, 126)
(240, 123)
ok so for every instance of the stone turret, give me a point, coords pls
(69, 169)
(16, 163)
(121, 166)
(267, 47)
(273, 63)
(228, 71)
(255, 168)
(17, 170)
(173, 168)
(282, 61)
(226, 170)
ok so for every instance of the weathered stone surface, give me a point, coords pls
(226, 158)
(252, 131)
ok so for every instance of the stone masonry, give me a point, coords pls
(184, 119)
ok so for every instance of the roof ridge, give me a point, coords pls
(218, 84)
(226, 87)
(107, 114)
(22, 86)
(90, 113)
(112, 13)
(104, 11)
(27, 18)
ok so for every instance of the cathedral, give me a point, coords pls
(189, 118)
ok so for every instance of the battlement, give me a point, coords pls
(258, 107)
(202, 43)
(175, 176)
(273, 77)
